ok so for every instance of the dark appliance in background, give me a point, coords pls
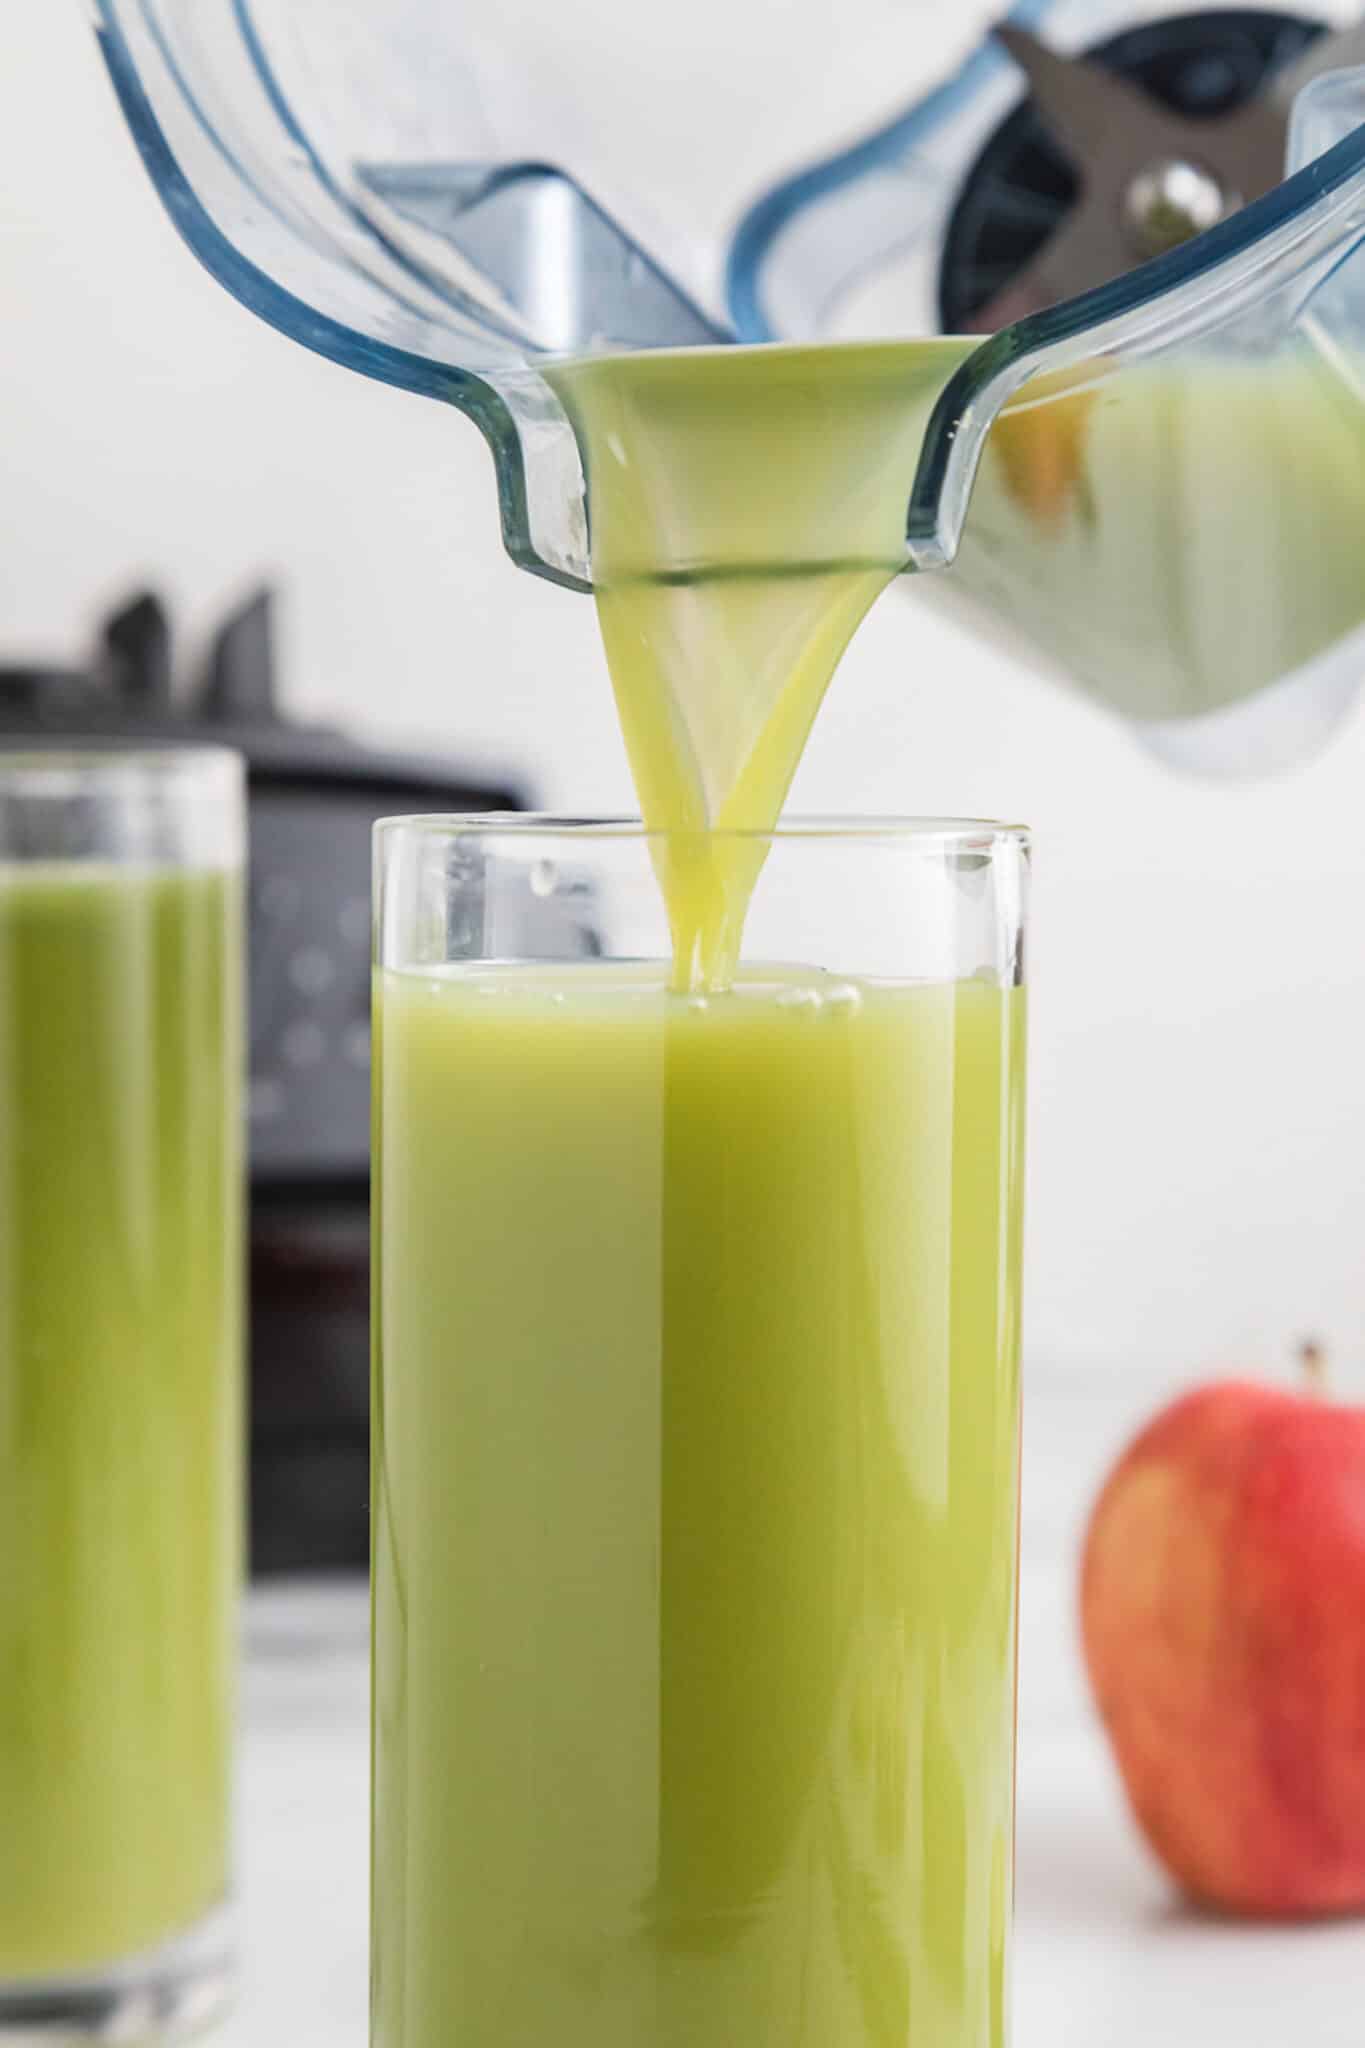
(313, 796)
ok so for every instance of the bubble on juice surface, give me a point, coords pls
(800, 999)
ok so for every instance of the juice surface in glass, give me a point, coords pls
(120, 1397)
(695, 1442)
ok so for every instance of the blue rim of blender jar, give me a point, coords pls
(193, 220)
(948, 456)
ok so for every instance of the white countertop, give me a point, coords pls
(1104, 1958)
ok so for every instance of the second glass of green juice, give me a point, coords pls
(695, 1442)
(120, 1386)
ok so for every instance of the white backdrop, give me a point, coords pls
(1197, 1188)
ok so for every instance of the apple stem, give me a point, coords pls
(1313, 1362)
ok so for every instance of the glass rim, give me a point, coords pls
(932, 832)
(58, 773)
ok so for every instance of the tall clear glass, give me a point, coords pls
(695, 1442)
(120, 1385)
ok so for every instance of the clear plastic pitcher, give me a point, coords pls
(1155, 489)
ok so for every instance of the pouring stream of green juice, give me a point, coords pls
(1187, 536)
(745, 507)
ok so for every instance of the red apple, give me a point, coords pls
(1223, 1617)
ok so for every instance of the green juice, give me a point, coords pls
(119, 1407)
(748, 505)
(1173, 538)
(695, 1497)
